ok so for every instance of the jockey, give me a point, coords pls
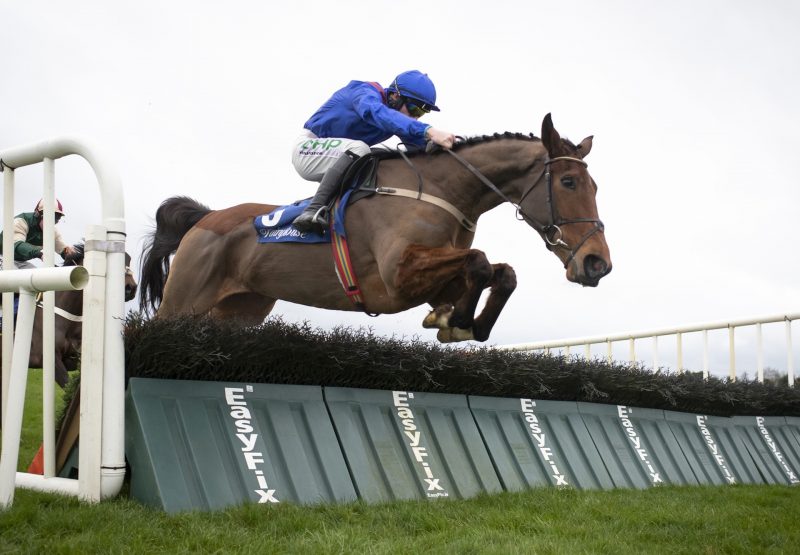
(357, 116)
(28, 236)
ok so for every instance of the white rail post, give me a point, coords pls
(631, 350)
(789, 353)
(8, 296)
(731, 354)
(655, 353)
(89, 458)
(609, 351)
(48, 323)
(705, 354)
(679, 339)
(587, 351)
(760, 363)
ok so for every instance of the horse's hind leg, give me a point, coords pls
(249, 308)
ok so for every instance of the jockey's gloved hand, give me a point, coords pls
(444, 139)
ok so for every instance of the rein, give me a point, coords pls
(551, 231)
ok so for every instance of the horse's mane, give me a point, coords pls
(461, 142)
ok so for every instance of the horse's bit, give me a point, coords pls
(551, 231)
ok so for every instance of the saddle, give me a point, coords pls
(358, 182)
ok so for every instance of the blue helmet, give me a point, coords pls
(417, 86)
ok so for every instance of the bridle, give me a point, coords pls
(551, 231)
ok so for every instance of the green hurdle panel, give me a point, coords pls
(636, 445)
(407, 445)
(207, 445)
(793, 423)
(539, 443)
(772, 445)
(714, 449)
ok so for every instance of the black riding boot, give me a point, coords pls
(315, 216)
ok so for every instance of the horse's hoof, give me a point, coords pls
(437, 319)
(453, 335)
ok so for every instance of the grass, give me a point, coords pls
(735, 519)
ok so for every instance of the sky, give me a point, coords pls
(692, 105)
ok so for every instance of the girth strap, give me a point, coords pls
(343, 265)
(468, 224)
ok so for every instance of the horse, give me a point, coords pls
(405, 251)
(68, 325)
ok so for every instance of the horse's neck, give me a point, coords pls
(511, 165)
(70, 301)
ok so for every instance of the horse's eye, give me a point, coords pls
(568, 182)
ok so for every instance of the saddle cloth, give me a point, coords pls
(276, 227)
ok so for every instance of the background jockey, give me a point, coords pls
(357, 116)
(28, 236)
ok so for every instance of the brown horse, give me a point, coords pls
(68, 325)
(405, 252)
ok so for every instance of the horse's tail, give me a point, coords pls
(174, 218)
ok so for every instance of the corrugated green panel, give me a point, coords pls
(772, 446)
(794, 427)
(636, 445)
(207, 445)
(713, 448)
(406, 445)
(539, 443)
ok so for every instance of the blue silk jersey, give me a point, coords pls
(358, 111)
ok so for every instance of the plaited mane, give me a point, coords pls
(460, 143)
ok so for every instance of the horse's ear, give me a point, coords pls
(585, 147)
(550, 137)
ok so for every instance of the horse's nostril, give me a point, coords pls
(595, 267)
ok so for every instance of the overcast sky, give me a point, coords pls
(693, 107)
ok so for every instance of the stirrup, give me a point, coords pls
(308, 222)
(320, 217)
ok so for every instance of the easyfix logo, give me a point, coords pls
(539, 437)
(630, 431)
(413, 436)
(243, 425)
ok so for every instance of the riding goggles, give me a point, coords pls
(416, 110)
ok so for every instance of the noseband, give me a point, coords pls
(551, 231)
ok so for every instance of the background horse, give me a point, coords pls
(405, 252)
(68, 325)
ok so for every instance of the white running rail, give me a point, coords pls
(678, 332)
(102, 417)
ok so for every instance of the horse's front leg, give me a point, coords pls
(503, 283)
(453, 280)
